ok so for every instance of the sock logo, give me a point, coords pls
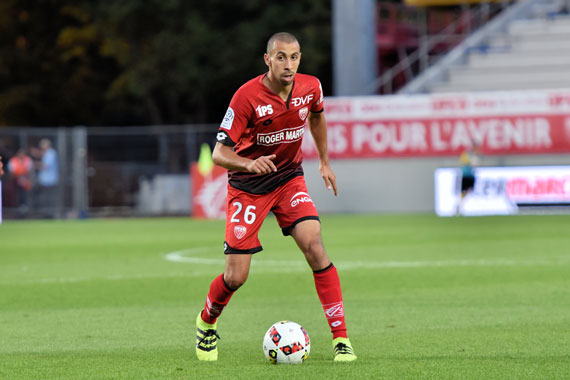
(213, 309)
(336, 323)
(334, 310)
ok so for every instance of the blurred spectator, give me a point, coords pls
(48, 177)
(20, 168)
(469, 160)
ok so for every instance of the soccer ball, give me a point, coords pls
(286, 342)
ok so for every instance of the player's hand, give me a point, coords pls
(262, 165)
(329, 177)
(1, 165)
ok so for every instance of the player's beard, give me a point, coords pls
(287, 82)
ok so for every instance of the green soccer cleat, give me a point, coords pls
(206, 340)
(343, 351)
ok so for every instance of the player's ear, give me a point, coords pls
(266, 59)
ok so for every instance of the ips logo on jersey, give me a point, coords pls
(303, 112)
(264, 110)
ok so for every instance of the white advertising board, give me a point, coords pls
(502, 190)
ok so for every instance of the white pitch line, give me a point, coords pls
(187, 256)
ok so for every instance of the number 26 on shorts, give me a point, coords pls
(248, 214)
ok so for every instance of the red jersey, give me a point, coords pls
(259, 123)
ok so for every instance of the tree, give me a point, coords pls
(135, 62)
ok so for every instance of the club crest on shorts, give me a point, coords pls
(240, 231)
(303, 112)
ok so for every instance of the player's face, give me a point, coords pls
(283, 61)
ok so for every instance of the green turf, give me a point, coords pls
(425, 298)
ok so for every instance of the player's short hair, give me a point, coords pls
(281, 36)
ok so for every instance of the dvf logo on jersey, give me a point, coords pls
(240, 231)
(303, 100)
(303, 112)
(264, 110)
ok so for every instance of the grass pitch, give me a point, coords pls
(425, 298)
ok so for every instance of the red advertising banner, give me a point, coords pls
(209, 192)
(532, 122)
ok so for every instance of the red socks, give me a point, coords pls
(328, 289)
(218, 297)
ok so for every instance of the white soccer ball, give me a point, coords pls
(286, 342)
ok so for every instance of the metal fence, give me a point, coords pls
(105, 171)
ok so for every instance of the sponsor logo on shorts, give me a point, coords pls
(299, 198)
(240, 231)
(228, 119)
(334, 310)
(283, 136)
(303, 112)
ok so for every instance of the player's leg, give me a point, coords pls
(221, 290)
(224, 286)
(307, 235)
(298, 217)
(245, 214)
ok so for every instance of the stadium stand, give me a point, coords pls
(526, 47)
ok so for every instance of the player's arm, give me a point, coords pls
(225, 157)
(1, 166)
(318, 128)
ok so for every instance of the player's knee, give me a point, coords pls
(235, 280)
(313, 246)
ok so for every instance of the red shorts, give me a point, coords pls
(245, 213)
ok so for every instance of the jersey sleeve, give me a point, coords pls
(318, 103)
(235, 121)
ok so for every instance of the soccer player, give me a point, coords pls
(259, 142)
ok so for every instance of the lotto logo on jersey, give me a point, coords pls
(264, 110)
(283, 136)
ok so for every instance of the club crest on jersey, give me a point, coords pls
(240, 231)
(303, 112)
(228, 119)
